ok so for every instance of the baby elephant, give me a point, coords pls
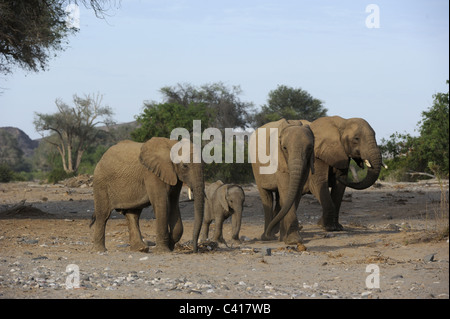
(223, 201)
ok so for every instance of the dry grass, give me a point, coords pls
(437, 215)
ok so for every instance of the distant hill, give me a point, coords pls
(13, 140)
(19, 139)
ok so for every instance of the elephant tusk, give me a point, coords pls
(384, 165)
(367, 163)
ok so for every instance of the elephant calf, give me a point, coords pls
(223, 201)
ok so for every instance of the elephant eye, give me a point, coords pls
(185, 165)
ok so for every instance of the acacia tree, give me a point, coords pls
(32, 31)
(72, 129)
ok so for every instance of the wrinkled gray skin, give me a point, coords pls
(336, 141)
(131, 176)
(223, 201)
(284, 187)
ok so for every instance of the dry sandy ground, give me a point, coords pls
(390, 228)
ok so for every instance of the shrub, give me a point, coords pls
(57, 175)
(6, 174)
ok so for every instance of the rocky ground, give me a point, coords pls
(393, 231)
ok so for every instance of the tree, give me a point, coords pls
(159, 119)
(10, 152)
(291, 104)
(215, 105)
(73, 128)
(221, 101)
(428, 152)
(433, 143)
(31, 31)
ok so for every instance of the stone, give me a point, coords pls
(429, 258)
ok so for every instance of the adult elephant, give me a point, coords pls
(336, 141)
(131, 176)
(295, 149)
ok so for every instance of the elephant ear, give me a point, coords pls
(327, 142)
(155, 156)
(222, 193)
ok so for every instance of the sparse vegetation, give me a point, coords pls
(73, 128)
(410, 158)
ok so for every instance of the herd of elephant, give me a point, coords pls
(313, 157)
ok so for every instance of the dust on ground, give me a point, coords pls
(395, 245)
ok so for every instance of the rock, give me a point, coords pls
(365, 294)
(30, 241)
(266, 251)
(392, 227)
(39, 258)
(429, 258)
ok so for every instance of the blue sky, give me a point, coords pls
(386, 75)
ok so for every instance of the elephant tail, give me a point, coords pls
(92, 220)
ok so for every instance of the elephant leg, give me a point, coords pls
(159, 196)
(205, 230)
(337, 193)
(267, 201)
(276, 210)
(163, 238)
(101, 216)
(136, 241)
(218, 227)
(175, 225)
(319, 187)
(328, 221)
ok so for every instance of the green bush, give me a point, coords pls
(6, 174)
(57, 175)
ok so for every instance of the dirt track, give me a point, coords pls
(393, 226)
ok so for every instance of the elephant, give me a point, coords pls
(131, 176)
(295, 143)
(223, 201)
(336, 141)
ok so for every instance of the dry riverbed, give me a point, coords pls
(392, 247)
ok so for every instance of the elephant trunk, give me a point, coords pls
(374, 162)
(298, 174)
(199, 207)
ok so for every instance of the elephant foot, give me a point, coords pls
(331, 226)
(235, 242)
(293, 239)
(141, 247)
(98, 248)
(161, 249)
(265, 237)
